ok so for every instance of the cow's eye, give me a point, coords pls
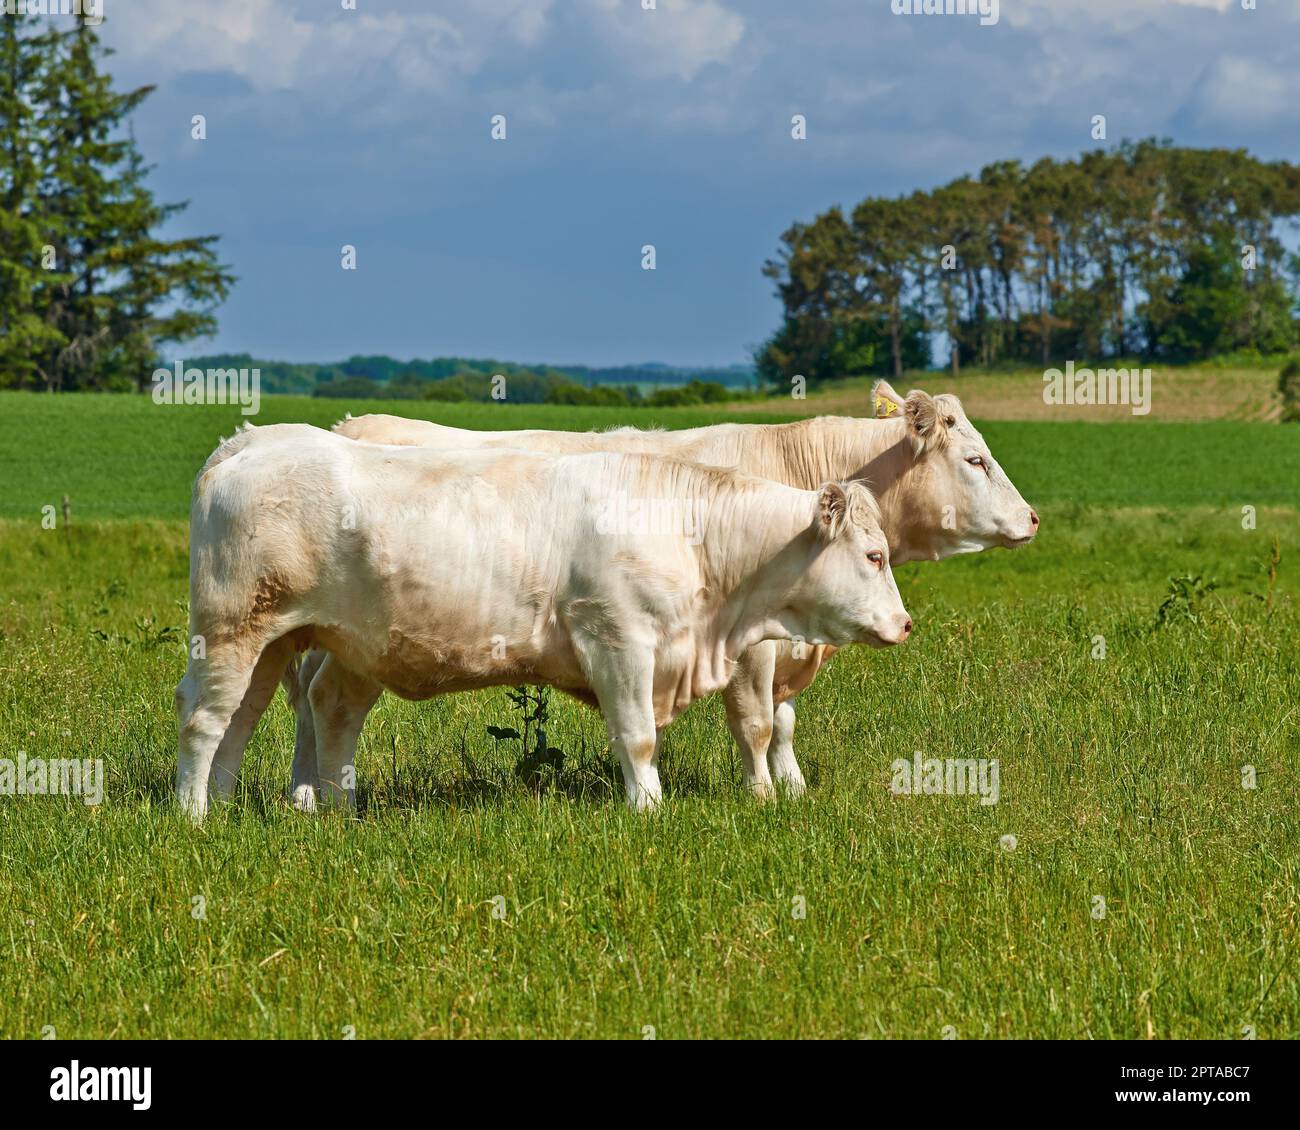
(975, 461)
(877, 559)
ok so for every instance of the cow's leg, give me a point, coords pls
(624, 688)
(207, 698)
(297, 684)
(619, 666)
(748, 697)
(261, 689)
(634, 738)
(340, 701)
(785, 769)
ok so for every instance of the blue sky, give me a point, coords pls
(625, 127)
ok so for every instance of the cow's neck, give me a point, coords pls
(812, 452)
(912, 509)
(750, 562)
(879, 452)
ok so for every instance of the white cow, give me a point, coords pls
(427, 572)
(940, 490)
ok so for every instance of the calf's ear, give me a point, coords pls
(885, 401)
(832, 508)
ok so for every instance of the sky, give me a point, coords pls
(625, 127)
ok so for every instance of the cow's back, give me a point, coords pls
(715, 444)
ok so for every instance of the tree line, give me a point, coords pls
(88, 289)
(523, 386)
(388, 377)
(1145, 250)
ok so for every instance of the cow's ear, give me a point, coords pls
(885, 401)
(832, 507)
(922, 416)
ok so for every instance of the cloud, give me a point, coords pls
(678, 38)
(598, 65)
(1246, 96)
(1126, 14)
(274, 46)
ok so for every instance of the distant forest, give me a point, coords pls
(1143, 251)
(463, 378)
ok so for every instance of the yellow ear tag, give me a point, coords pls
(885, 407)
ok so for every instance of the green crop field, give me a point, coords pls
(1133, 671)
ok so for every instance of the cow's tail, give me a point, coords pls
(289, 680)
(297, 678)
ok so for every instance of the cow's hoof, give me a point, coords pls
(645, 802)
(792, 788)
(194, 807)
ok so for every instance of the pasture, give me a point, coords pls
(469, 901)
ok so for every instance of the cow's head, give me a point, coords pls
(956, 498)
(846, 593)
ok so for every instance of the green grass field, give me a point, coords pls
(1121, 777)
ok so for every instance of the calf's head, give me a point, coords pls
(846, 593)
(955, 498)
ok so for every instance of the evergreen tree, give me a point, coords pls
(28, 271)
(74, 181)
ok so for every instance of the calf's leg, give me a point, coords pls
(261, 689)
(634, 738)
(785, 769)
(304, 785)
(622, 680)
(340, 701)
(748, 697)
(207, 698)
